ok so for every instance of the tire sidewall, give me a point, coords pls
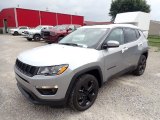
(37, 36)
(80, 81)
(138, 72)
(15, 33)
(59, 39)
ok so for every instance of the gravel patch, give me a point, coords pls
(125, 98)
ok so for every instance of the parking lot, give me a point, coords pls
(124, 98)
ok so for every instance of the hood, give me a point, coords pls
(57, 54)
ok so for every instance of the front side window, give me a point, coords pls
(61, 27)
(130, 35)
(71, 27)
(23, 28)
(38, 27)
(116, 35)
(50, 28)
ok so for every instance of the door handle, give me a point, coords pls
(140, 44)
(124, 49)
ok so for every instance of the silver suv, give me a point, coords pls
(72, 71)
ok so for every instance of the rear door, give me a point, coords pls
(130, 49)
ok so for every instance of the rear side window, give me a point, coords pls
(130, 35)
(138, 34)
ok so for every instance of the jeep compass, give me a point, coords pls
(71, 72)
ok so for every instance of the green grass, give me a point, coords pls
(154, 41)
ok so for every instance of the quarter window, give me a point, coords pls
(138, 34)
(130, 35)
(116, 35)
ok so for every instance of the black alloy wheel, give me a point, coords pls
(141, 66)
(84, 93)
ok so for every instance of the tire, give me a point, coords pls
(84, 93)
(29, 39)
(141, 66)
(60, 38)
(37, 37)
(16, 33)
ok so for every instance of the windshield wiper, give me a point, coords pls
(72, 44)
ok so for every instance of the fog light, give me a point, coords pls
(47, 90)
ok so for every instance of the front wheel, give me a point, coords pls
(141, 66)
(37, 37)
(29, 39)
(59, 39)
(84, 92)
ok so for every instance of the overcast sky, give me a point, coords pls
(93, 10)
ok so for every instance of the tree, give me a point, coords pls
(120, 6)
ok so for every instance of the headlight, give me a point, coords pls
(52, 70)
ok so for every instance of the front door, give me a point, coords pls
(113, 56)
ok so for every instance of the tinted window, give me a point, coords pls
(130, 35)
(138, 34)
(23, 28)
(116, 35)
(50, 27)
(71, 27)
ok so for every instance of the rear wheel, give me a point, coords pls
(141, 66)
(15, 33)
(29, 39)
(37, 37)
(60, 38)
(84, 93)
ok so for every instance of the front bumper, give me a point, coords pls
(27, 86)
(34, 99)
(29, 36)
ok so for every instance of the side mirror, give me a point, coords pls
(111, 44)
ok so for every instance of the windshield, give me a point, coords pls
(61, 27)
(38, 28)
(85, 37)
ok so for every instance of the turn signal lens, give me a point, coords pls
(62, 69)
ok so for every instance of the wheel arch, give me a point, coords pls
(95, 71)
(37, 34)
(145, 53)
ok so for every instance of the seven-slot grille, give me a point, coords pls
(26, 69)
